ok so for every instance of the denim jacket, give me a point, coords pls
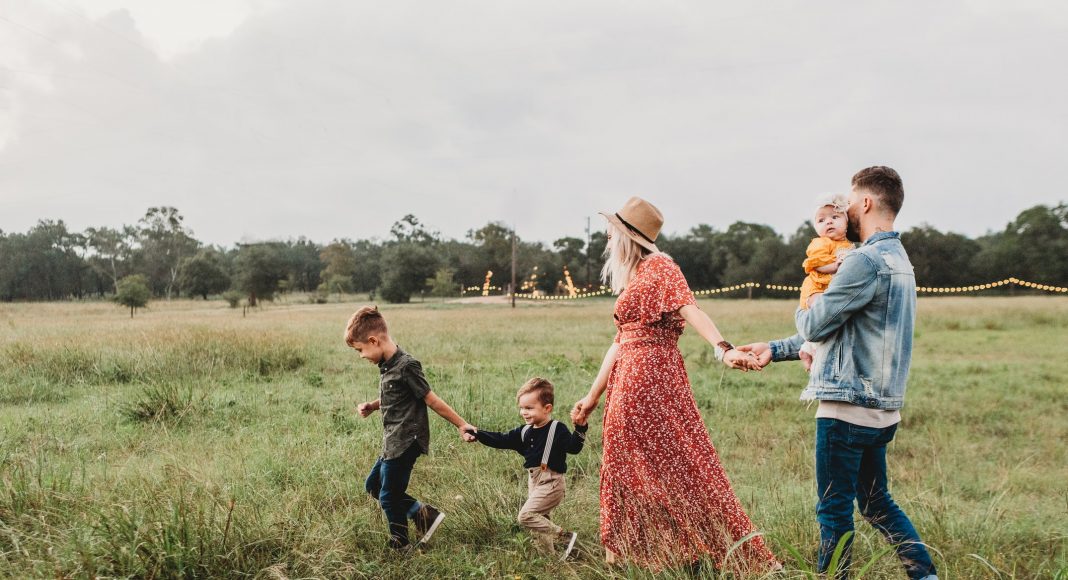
(864, 323)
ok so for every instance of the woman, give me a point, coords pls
(665, 499)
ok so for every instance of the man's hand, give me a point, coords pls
(467, 432)
(743, 361)
(761, 351)
(366, 409)
(806, 359)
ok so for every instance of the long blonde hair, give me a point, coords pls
(622, 256)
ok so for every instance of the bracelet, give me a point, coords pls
(722, 348)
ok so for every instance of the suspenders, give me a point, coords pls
(548, 442)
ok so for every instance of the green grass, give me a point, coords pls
(193, 442)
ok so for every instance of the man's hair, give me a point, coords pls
(537, 385)
(885, 183)
(366, 322)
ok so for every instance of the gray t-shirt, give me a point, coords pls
(401, 391)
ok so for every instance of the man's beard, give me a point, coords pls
(852, 228)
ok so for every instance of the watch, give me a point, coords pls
(721, 349)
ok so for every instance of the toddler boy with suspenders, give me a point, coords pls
(544, 443)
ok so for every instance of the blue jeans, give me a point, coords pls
(388, 483)
(851, 465)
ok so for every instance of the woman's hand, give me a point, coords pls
(580, 413)
(744, 361)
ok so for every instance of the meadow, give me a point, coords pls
(192, 441)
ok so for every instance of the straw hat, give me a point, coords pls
(640, 220)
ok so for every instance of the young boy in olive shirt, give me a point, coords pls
(404, 395)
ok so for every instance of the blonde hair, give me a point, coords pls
(622, 256)
(367, 321)
(537, 385)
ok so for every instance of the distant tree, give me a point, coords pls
(304, 266)
(164, 242)
(595, 254)
(465, 260)
(443, 284)
(110, 251)
(699, 253)
(368, 275)
(941, 259)
(43, 264)
(405, 269)
(339, 262)
(753, 252)
(571, 254)
(494, 243)
(336, 285)
(1032, 247)
(790, 271)
(133, 292)
(203, 274)
(259, 269)
(410, 230)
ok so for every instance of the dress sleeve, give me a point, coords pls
(820, 252)
(666, 291)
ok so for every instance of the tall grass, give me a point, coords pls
(192, 442)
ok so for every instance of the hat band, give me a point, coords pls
(634, 229)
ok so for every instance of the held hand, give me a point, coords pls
(761, 351)
(743, 361)
(467, 432)
(582, 410)
(806, 359)
(579, 421)
(365, 409)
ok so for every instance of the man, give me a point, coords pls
(865, 320)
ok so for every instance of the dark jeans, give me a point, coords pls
(851, 465)
(388, 483)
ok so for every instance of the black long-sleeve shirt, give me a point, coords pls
(533, 447)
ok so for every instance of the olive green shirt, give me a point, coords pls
(402, 389)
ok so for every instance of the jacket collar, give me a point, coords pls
(880, 236)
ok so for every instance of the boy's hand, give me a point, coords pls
(366, 409)
(806, 359)
(579, 419)
(467, 432)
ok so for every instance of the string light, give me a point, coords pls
(989, 285)
(786, 288)
(571, 292)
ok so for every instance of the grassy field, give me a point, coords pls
(193, 442)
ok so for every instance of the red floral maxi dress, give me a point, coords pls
(665, 499)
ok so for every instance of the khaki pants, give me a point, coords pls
(545, 491)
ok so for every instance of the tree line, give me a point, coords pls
(51, 262)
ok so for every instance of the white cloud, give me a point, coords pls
(330, 118)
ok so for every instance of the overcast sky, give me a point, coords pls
(267, 119)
